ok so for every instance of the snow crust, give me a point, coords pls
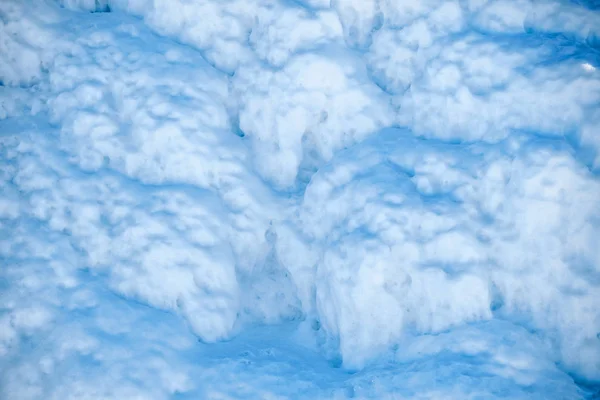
(299, 199)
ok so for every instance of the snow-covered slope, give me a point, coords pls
(210, 199)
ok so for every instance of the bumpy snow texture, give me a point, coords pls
(267, 199)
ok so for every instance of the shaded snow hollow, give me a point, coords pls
(321, 199)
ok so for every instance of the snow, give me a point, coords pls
(299, 199)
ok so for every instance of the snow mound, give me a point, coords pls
(299, 199)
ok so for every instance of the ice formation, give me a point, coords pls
(223, 199)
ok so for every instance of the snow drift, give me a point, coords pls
(318, 199)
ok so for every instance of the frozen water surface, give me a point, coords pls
(320, 199)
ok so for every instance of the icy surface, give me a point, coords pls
(222, 199)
